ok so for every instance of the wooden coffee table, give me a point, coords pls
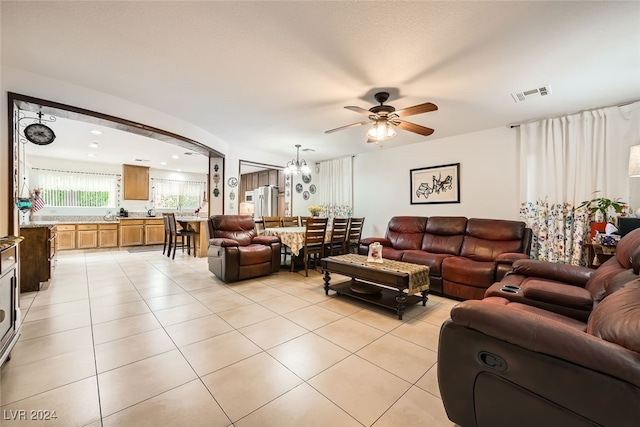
(392, 284)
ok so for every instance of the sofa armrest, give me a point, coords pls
(542, 335)
(570, 274)
(265, 240)
(369, 240)
(510, 257)
(220, 241)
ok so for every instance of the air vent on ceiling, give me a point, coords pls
(532, 93)
(142, 160)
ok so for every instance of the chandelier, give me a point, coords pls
(297, 166)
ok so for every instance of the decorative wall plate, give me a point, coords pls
(306, 178)
(233, 181)
(312, 189)
(306, 195)
(298, 188)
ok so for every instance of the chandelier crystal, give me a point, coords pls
(297, 166)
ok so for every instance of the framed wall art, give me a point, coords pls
(435, 184)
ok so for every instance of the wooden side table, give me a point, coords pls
(597, 256)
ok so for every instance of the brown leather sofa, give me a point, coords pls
(236, 252)
(505, 363)
(569, 290)
(465, 256)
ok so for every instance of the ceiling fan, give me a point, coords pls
(385, 118)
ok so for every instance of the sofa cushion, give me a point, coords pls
(621, 280)
(485, 239)
(392, 253)
(255, 254)
(617, 318)
(434, 261)
(600, 279)
(468, 272)
(626, 248)
(406, 232)
(581, 326)
(444, 234)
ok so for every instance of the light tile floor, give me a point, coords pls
(138, 339)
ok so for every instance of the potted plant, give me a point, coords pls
(599, 208)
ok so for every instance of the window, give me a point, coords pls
(78, 189)
(172, 194)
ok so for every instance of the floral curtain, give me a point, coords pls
(335, 187)
(563, 161)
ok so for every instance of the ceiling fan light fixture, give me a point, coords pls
(297, 166)
(381, 130)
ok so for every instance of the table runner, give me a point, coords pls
(418, 274)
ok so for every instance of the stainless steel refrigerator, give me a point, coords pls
(265, 200)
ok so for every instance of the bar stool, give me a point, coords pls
(182, 233)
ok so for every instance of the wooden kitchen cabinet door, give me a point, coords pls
(135, 182)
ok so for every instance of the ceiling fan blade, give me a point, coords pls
(416, 109)
(412, 127)
(366, 122)
(359, 110)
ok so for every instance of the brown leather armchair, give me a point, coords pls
(236, 252)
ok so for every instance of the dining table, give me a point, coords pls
(293, 237)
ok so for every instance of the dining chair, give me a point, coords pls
(271, 221)
(315, 230)
(354, 234)
(167, 233)
(182, 233)
(303, 220)
(338, 243)
(290, 221)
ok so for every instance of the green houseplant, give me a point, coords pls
(600, 207)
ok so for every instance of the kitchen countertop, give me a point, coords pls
(8, 241)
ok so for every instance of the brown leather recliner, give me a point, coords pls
(236, 252)
(569, 290)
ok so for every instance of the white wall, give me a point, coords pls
(488, 178)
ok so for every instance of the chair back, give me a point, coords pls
(237, 227)
(290, 221)
(355, 232)
(271, 221)
(303, 220)
(314, 234)
(167, 226)
(339, 232)
(170, 223)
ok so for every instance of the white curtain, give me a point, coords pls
(78, 189)
(335, 187)
(563, 161)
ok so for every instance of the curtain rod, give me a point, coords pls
(517, 125)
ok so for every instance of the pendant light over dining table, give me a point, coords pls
(297, 166)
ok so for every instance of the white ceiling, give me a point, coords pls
(273, 74)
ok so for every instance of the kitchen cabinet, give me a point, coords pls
(135, 182)
(8, 295)
(263, 178)
(66, 236)
(37, 256)
(87, 236)
(153, 231)
(108, 235)
(132, 232)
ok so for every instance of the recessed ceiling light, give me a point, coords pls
(96, 132)
(93, 145)
(92, 155)
(163, 163)
(175, 157)
(179, 170)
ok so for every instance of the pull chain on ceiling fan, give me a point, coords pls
(386, 118)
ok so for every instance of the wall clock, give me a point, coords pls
(39, 134)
